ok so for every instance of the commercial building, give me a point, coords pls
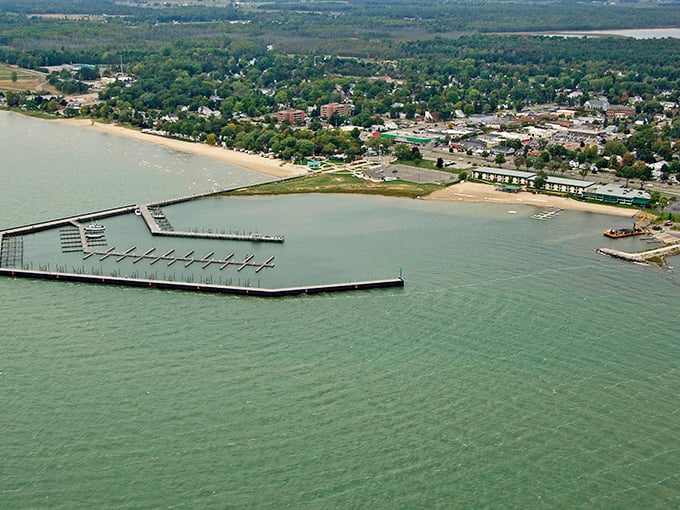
(518, 178)
(618, 194)
(502, 175)
(562, 185)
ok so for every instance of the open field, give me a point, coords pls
(340, 183)
(25, 79)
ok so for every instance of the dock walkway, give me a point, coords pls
(156, 230)
(206, 260)
(46, 225)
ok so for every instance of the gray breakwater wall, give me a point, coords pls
(643, 256)
(203, 287)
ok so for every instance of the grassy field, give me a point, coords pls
(340, 183)
(26, 80)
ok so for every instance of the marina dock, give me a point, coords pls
(68, 221)
(188, 260)
(73, 237)
(203, 287)
(155, 220)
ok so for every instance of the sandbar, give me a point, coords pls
(254, 162)
(487, 193)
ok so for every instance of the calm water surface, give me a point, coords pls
(516, 369)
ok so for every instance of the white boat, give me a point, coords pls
(94, 228)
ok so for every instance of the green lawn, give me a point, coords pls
(340, 183)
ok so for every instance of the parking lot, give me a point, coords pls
(410, 174)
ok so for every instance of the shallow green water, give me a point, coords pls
(516, 369)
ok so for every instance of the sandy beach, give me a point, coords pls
(273, 167)
(461, 192)
(487, 193)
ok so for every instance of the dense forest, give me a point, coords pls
(359, 28)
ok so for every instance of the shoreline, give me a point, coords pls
(271, 167)
(486, 193)
(460, 192)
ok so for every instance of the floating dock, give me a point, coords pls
(168, 256)
(203, 287)
(546, 215)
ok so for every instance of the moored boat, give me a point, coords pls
(616, 233)
(94, 228)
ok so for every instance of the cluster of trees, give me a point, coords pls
(283, 141)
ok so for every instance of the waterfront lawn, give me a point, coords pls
(428, 164)
(340, 183)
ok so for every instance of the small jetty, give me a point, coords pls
(547, 214)
(202, 287)
(655, 256)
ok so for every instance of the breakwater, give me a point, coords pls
(656, 255)
(202, 287)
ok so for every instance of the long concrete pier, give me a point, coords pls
(203, 287)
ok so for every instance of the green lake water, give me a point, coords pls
(517, 368)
